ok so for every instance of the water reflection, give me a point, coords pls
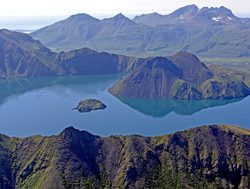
(90, 84)
(160, 107)
(46, 108)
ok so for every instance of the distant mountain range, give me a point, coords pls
(207, 32)
(190, 14)
(204, 157)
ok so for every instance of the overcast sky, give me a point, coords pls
(65, 7)
(34, 14)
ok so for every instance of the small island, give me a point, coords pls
(89, 105)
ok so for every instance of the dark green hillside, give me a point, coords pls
(203, 157)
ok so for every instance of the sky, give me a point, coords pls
(59, 7)
(24, 12)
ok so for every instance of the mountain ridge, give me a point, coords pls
(218, 31)
(22, 56)
(215, 156)
(190, 13)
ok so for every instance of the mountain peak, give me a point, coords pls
(193, 69)
(82, 17)
(148, 19)
(184, 57)
(161, 63)
(222, 8)
(70, 129)
(189, 9)
(5, 31)
(71, 132)
(120, 16)
(183, 14)
(221, 14)
(20, 38)
(185, 54)
(119, 19)
(226, 11)
(150, 14)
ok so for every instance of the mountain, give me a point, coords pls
(190, 14)
(214, 156)
(181, 76)
(22, 56)
(101, 35)
(183, 14)
(207, 32)
(89, 62)
(80, 27)
(221, 15)
(151, 19)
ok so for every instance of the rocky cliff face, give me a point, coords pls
(181, 76)
(204, 157)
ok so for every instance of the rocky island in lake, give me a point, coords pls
(89, 105)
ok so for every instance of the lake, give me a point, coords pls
(44, 106)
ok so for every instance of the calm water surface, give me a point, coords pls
(44, 106)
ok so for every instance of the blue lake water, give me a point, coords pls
(44, 106)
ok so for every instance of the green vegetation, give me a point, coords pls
(90, 105)
(204, 157)
(239, 64)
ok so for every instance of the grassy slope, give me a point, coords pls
(203, 157)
